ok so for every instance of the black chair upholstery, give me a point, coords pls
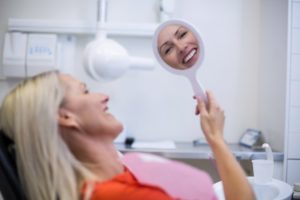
(10, 186)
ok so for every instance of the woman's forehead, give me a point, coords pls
(167, 33)
(67, 78)
(70, 81)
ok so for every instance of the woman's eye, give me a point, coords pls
(182, 34)
(168, 50)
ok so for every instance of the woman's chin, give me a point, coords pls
(121, 128)
(118, 129)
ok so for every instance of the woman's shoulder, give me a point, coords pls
(124, 186)
(179, 180)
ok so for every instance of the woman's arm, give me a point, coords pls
(235, 183)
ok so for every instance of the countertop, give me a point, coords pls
(186, 150)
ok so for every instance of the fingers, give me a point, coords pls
(212, 103)
(197, 112)
(202, 107)
(210, 100)
(211, 106)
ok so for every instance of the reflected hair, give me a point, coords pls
(28, 115)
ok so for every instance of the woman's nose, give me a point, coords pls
(104, 97)
(180, 46)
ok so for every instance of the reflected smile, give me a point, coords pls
(189, 56)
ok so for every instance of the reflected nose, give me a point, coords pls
(180, 46)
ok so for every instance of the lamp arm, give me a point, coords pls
(101, 11)
(141, 63)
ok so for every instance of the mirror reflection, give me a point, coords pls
(178, 46)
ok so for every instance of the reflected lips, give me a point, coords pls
(189, 56)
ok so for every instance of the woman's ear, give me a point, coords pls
(67, 119)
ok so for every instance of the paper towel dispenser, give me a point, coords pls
(41, 53)
(14, 54)
(28, 54)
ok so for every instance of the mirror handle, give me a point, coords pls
(199, 91)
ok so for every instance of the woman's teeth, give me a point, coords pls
(189, 56)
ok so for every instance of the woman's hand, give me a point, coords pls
(212, 119)
(235, 183)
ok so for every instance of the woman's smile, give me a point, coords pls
(188, 57)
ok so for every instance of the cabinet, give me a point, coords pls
(292, 130)
(293, 171)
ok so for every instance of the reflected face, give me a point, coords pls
(178, 46)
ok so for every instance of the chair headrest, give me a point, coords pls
(6, 143)
(10, 185)
(5, 138)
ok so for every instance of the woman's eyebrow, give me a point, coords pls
(177, 31)
(166, 43)
(175, 34)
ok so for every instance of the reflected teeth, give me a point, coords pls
(189, 56)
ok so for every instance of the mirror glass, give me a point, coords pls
(178, 47)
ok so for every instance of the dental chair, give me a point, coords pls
(10, 186)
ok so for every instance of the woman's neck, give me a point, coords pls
(103, 160)
(100, 156)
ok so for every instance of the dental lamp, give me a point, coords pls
(105, 58)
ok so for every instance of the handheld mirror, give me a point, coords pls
(178, 47)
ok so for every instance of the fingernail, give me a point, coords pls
(198, 98)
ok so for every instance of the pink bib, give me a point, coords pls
(179, 180)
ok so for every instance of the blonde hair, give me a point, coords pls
(47, 168)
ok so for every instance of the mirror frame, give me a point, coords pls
(187, 72)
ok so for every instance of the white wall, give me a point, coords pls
(231, 32)
(273, 69)
(155, 104)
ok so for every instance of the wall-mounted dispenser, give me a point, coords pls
(41, 53)
(14, 54)
(27, 54)
(105, 58)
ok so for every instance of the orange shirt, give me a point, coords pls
(125, 187)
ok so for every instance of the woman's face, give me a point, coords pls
(178, 46)
(89, 111)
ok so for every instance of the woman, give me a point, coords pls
(178, 46)
(64, 143)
